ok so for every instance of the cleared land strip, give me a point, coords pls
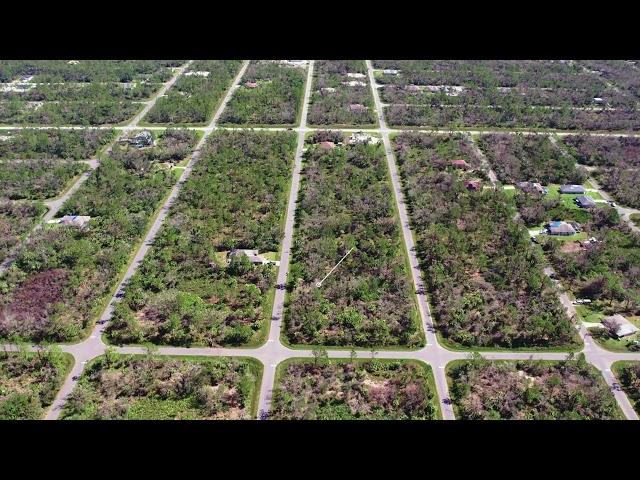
(55, 205)
(93, 346)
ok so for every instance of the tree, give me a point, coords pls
(320, 355)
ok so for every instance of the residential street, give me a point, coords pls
(274, 351)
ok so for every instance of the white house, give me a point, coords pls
(361, 137)
(356, 75)
(72, 220)
(390, 71)
(197, 74)
(253, 256)
(355, 83)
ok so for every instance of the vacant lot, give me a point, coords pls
(165, 388)
(17, 218)
(530, 390)
(519, 158)
(486, 281)
(629, 375)
(346, 202)
(53, 143)
(618, 162)
(36, 179)
(186, 292)
(270, 94)
(30, 381)
(341, 94)
(354, 390)
(196, 94)
(61, 279)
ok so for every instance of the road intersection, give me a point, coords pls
(273, 351)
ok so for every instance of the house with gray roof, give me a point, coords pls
(560, 228)
(572, 189)
(584, 201)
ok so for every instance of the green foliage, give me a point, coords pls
(161, 388)
(275, 101)
(184, 293)
(345, 202)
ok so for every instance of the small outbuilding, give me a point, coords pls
(75, 220)
(572, 189)
(583, 201)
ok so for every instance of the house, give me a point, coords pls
(357, 108)
(253, 256)
(390, 71)
(528, 187)
(560, 228)
(473, 184)
(572, 189)
(327, 145)
(625, 327)
(584, 201)
(197, 74)
(327, 90)
(294, 63)
(250, 84)
(360, 137)
(598, 100)
(460, 164)
(73, 62)
(355, 83)
(74, 220)
(26, 78)
(141, 140)
(356, 75)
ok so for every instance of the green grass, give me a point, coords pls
(456, 347)
(617, 368)
(281, 370)
(613, 344)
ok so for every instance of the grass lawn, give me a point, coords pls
(621, 345)
(588, 313)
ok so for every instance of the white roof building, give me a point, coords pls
(74, 220)
(390, 71)
(355, 83)
(198, 74)
(253, 256)
(356, 75)
(625, 327)
(361, 137)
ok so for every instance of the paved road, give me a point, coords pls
(94, 346)
(273, 346)
(273, 352)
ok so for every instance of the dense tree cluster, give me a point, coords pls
(520, 158)
(53, 143)
(16, 219)
(629, 375)
(53, 71)
(194, 98)
(117, 387)
(275, 101)
(618, 160)
(29, 382)
(620, 72)
(94, 92)
(486, 281)
(36, 179)
(68, 272)
(185, 292)
(356, 390)
(100, 112)
(504, 94)
(531, 390)
(328, 107)
(345, 202)
(607, 272)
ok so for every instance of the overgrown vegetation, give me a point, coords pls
(486, 282)
(629, 375)
(165, 388)
(17, 218)
(356, 390)
(618, 162)
(530, 390)
(185, 292)
(62, 277)
(53, 143)
(194, 98)
(346, 202)
(36, 179)
(29, 382)
(331, 101)
(274, 101)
